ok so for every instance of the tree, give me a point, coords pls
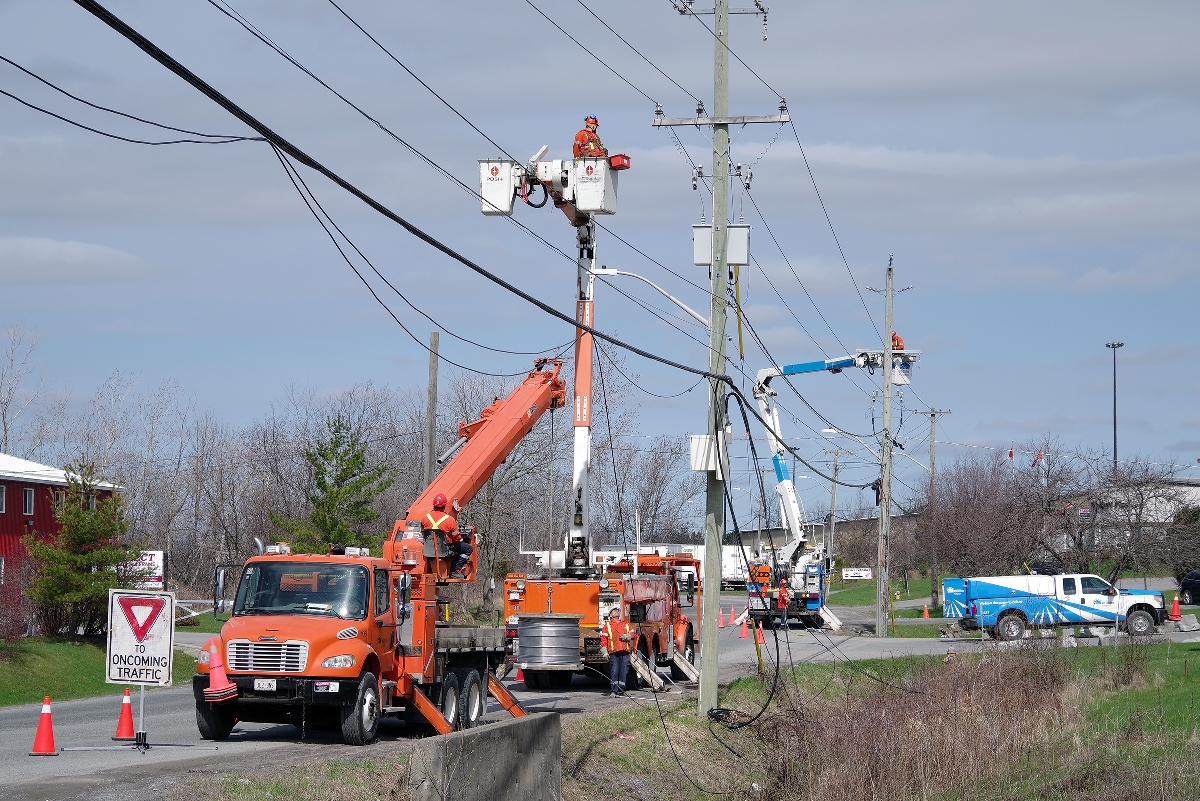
(342, 491)
(74, 570)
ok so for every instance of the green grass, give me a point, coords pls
(863, 594)
(63, 669)
(202, 624)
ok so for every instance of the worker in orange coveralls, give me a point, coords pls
(587, 143)
(897, 342)
(615, 640)
(438, 520)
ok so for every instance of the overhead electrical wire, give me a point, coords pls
(640, 55)
(635, 384)
(308, 195)
(585, 49)
(99, 107)
(309, 201)
(148, 47)
(118, 137)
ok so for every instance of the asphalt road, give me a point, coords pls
(124, 774)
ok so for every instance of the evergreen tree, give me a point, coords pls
(74, 570)
(342, 493)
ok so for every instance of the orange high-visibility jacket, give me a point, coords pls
(610, 636)
(437, 520)
(587, 145)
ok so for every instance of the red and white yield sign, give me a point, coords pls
(141, 637)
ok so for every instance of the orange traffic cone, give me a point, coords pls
(745, 634)
(1175, 615)
(731, 616)
(925, 612)
(758, 633)
(520, 675)
(43, 741)
(721, 618)
(220, 688)
(125, 721)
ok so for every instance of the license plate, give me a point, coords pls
(264, 684)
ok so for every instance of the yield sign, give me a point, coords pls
(141, 613)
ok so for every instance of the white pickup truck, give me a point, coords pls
(1007, 606)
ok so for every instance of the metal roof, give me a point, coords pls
(14, 469)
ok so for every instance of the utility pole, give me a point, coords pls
(935, 566)
(577, 550)
(714, 515)
(714, 506)
(885, 477)
(1114, 346)
(431, 409)
(836, 452)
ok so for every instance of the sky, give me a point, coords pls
(1032, 169)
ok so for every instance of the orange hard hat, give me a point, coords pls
(439, 501)
(591, 120)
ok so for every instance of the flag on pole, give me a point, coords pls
(1037, 458)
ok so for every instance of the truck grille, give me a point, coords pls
(267, 657)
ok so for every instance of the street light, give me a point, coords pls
(695, 314)
(1114, 346)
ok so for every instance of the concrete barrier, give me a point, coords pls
(518, 759)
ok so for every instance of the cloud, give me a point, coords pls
(33, 260)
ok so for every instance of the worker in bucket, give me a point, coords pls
(439, 522)
(615, 641)
(587, 142)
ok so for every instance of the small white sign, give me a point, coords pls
(855, 573)
(150, 570)
(141, 637)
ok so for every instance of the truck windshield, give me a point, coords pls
(304, 588)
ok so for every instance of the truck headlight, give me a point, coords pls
(521, 585)
(342, 661)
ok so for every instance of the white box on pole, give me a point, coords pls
(737, 245)
(141, 637)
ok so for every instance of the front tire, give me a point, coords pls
(214, 721)
(1187, 597)
(1010, 627)
(473, 699)
(1139, 623)
(360, 721)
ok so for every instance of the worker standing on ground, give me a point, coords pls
(587, 142)
(615, 638)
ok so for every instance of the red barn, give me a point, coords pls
(28, 491)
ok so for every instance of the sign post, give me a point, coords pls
(141, 644)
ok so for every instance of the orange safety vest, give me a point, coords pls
(587, 145)
(613, 642)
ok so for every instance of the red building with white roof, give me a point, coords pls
(28, 491)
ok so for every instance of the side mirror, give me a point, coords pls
(218, 593)
(691, 588)
(403, 594)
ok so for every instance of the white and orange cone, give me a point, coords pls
(43, 741)
(721, 618)
(125, 721)
(220, 688)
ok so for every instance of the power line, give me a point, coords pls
(638, 386)
(155, 52)
(593, 55)
(293, 176)
(418, 79)
(829, 222)
(118, 137)
(99, 107)
(634, 49)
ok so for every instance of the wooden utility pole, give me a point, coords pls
(714, 512)
(431, 409)
(934, 558)
(885, 477)
(830, 552)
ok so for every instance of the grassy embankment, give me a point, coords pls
(1030, 724)
(64, 669)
